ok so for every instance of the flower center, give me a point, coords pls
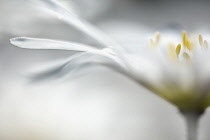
(182, 51)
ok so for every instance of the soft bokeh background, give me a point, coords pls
(101, 104)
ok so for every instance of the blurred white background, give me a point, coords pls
(101, 104)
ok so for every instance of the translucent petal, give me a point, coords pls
(55, 70)
(36, 43)
(71, 68)
(82, 25)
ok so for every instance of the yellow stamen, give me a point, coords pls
(157, 37)
(186, 42)
(178, 49)
(189, 45)
(200, 38)
(184, 38)
(172, 51)
(154, 42)
(184, 50)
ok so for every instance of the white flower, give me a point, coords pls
(173, 65)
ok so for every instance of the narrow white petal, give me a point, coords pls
(82, 25)
(55, 70)
(70, 68)
(36, 43)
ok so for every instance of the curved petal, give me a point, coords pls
(36, 43)
(82, 25)
(53, 71)
(71, 67)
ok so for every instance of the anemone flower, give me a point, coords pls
(172, 65)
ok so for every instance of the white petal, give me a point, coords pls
(56, 70)
(36, 43)
(82, 25)
(71, 68)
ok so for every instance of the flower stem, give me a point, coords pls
(191, 120)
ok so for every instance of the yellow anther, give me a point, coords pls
(205, 44)
(189, 45)
(186, 42)
(183, 51)
(155, 42)
(184, 38)
(186, 56)
(178, 49)
(200, 38)
(157, 37)
(172, 51)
